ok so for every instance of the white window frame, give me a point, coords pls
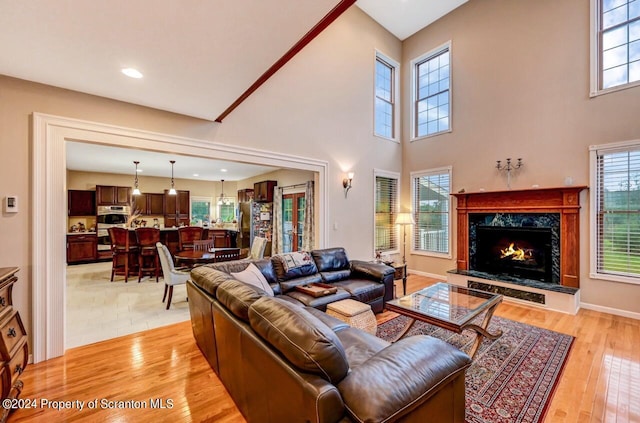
(593, 209)
(390, 175)
(395, 93)
(595, 56)
(414, 91)
(419, 174)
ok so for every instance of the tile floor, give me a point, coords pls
(98, 309)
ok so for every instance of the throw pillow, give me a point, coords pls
(252, 276)
(295, 259)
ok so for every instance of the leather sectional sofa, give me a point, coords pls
(281, 359)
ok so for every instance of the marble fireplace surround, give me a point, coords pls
(562, 202)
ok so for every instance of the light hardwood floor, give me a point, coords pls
(600, 383)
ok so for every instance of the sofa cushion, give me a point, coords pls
(332, 263)
(295, 265)
(318, 302)
(209, 278)
(237, 296)
(302, 338)
(252, 276)
(362, 290)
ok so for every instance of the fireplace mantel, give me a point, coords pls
(562, 200)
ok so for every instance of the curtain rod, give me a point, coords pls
(293, 186)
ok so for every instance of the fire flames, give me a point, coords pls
(517, 254)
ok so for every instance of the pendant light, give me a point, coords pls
(172, 191)
(136, 190)
(222, 199)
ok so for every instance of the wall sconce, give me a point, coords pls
(346, 183)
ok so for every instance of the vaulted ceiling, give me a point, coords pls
(197, 57)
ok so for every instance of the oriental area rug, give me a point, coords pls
(512, 379)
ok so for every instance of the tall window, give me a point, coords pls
(430, 198)
(616, 212)
(385, 97)
(617, 24)
(386, 207)
(431, 93)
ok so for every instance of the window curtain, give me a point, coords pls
(277, 236)
(308, 232)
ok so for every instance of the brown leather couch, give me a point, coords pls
(283, 361)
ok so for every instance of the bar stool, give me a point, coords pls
(186, 236)
(123, 253)
(148, 257)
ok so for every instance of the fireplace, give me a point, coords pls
(523, 252)
(526, 218)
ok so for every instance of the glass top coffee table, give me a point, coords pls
(450, 307)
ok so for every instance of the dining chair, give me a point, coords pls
(124, 253)
(171, 275)
(227, 255)
(186, 236)
(202, 245)
(257, 248)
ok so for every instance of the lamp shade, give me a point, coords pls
(404, 219)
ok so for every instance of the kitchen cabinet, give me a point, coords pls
(81, 203)
(176, 208)
(107, 195)
(149, 204)
(245, 195)
(81, 247)
(14, 350)
(263, 191)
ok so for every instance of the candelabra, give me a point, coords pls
(508, 167)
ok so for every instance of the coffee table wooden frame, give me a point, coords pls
(489, 306)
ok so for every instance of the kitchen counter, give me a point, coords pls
(82, 233)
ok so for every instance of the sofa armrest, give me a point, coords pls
(375, 271)
(401, 377)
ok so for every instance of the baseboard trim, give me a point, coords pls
(426, 274)
(610, 310)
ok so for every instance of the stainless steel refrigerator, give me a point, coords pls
(256, 219)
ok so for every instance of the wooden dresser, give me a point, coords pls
(14, 351)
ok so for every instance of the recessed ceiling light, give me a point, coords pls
(139, 170)
(196, 174)
(132, 73)
(223, 170)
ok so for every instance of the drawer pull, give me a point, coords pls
(11, 332)
(3, 302)
(19, 369)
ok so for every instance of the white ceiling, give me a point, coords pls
(104, 159)
(403, 18)
(197, 56)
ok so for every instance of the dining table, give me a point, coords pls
(191, 258)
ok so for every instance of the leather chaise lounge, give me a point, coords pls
(282, 359)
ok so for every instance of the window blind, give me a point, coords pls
(431, 211)
(618, 212)
(386, 203)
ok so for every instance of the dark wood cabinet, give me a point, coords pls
(108, 195)
(263, 191)
(14, 351)
(149, 204)
(176, 208)
(81, 203)
(245, 195)
(82, 248)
